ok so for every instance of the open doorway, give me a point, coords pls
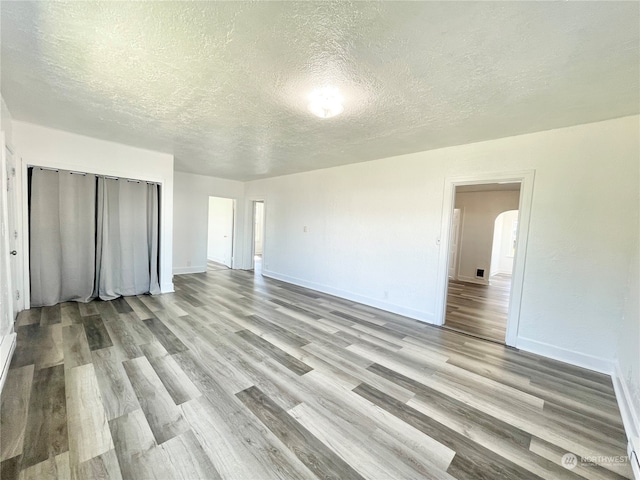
(257, 250)
(482, 245)
(220, 236)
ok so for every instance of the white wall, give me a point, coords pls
(47, 147)
(191, 207)
(479, 212)
(501, 258)
(220, 231)
(374, 231)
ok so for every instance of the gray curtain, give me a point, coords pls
(62, 229)
(127, 238)
(91, 237)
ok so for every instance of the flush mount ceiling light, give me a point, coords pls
(326, 102)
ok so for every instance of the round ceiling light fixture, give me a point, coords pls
(326, 102)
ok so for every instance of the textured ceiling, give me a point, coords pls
(223, 85)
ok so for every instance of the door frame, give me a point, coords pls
(526, 179)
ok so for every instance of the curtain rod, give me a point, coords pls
(74, 172)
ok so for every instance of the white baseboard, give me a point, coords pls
(372, 302)
(186, 270)
(7, 346)
(167, 288)
(479, 281)
(500, 272)
(578, 359)
(630, 418)
(216, 259)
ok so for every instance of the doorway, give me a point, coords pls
(257, 243)
(220, 233)
(476, 296)
(480, 283)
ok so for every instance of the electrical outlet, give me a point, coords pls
(304, 229)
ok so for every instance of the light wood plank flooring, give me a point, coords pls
(479, 310)
(239, 377)
(215, 266)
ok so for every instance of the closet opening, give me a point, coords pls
(91, 236)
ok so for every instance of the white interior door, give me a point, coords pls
(220, 246)
(455, 240)
(6, 301)
(13, 232)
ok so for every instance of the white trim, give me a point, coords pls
(630, 417)
(186, 270)
(590, 362)
(526, 179)
(372, 302)
(167, 288)
(500, 272)
(7, 347)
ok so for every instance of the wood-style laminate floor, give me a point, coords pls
(239, 377)
(479, 310)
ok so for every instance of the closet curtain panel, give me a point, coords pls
(126, 260)
(62, 243)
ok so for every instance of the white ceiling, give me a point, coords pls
(223, 85)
